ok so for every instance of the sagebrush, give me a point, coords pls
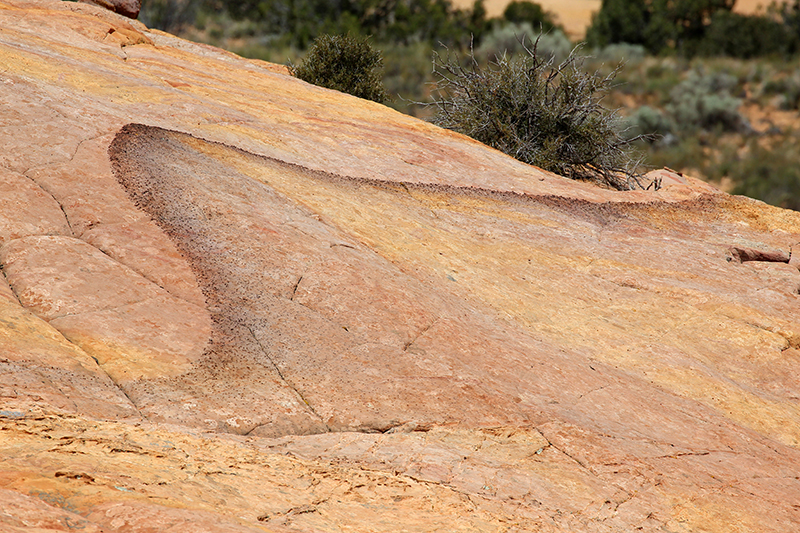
(540, 112)
(705, 101)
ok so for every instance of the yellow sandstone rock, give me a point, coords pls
(232, 301)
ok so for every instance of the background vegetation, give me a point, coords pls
(720, 90)
(540, 111)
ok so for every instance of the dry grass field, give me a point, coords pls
(576, 15)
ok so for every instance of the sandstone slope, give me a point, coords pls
(232, 301)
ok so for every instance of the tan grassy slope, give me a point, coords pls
(232, 301)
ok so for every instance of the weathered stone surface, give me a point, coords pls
(40, 367)
(232, 301)
(30, 513)
(145, 249)
(26, 209)
(85, 189)
(33, 267)
(130, 326)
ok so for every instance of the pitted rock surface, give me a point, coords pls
(232, 301)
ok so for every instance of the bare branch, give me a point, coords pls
(542, 113)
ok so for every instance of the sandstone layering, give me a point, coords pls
(232, 301)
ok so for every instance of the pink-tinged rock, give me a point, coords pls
(27, 146)
(59, 276)
(396, 315)
(5, 291)
(26, 209)
(143, 247)
(41, 368)
(140, 517)
(678, 184)
(85, 189)
(157, 337)
(445, 339)
(40, 512)
(111, 312)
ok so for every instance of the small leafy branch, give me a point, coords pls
(539, 112)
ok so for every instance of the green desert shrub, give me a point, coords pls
(770, 174)
(345, 63)
(650, 123)
(787, 89)
(408, 75)
(169, 15)
(621, 52)
(705, 101)
(657, 24)
(538, 111)
(520, 11)
(686, 153)
(298, 22)
(746, 36)
(509, 39)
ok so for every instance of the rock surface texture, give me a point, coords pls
(233, 302)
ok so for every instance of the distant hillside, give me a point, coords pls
(576, 15)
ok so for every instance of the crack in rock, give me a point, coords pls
(422, 332)
(294, 289)
(283, 378)
(51, 195)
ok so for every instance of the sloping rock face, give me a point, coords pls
(232, 301)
